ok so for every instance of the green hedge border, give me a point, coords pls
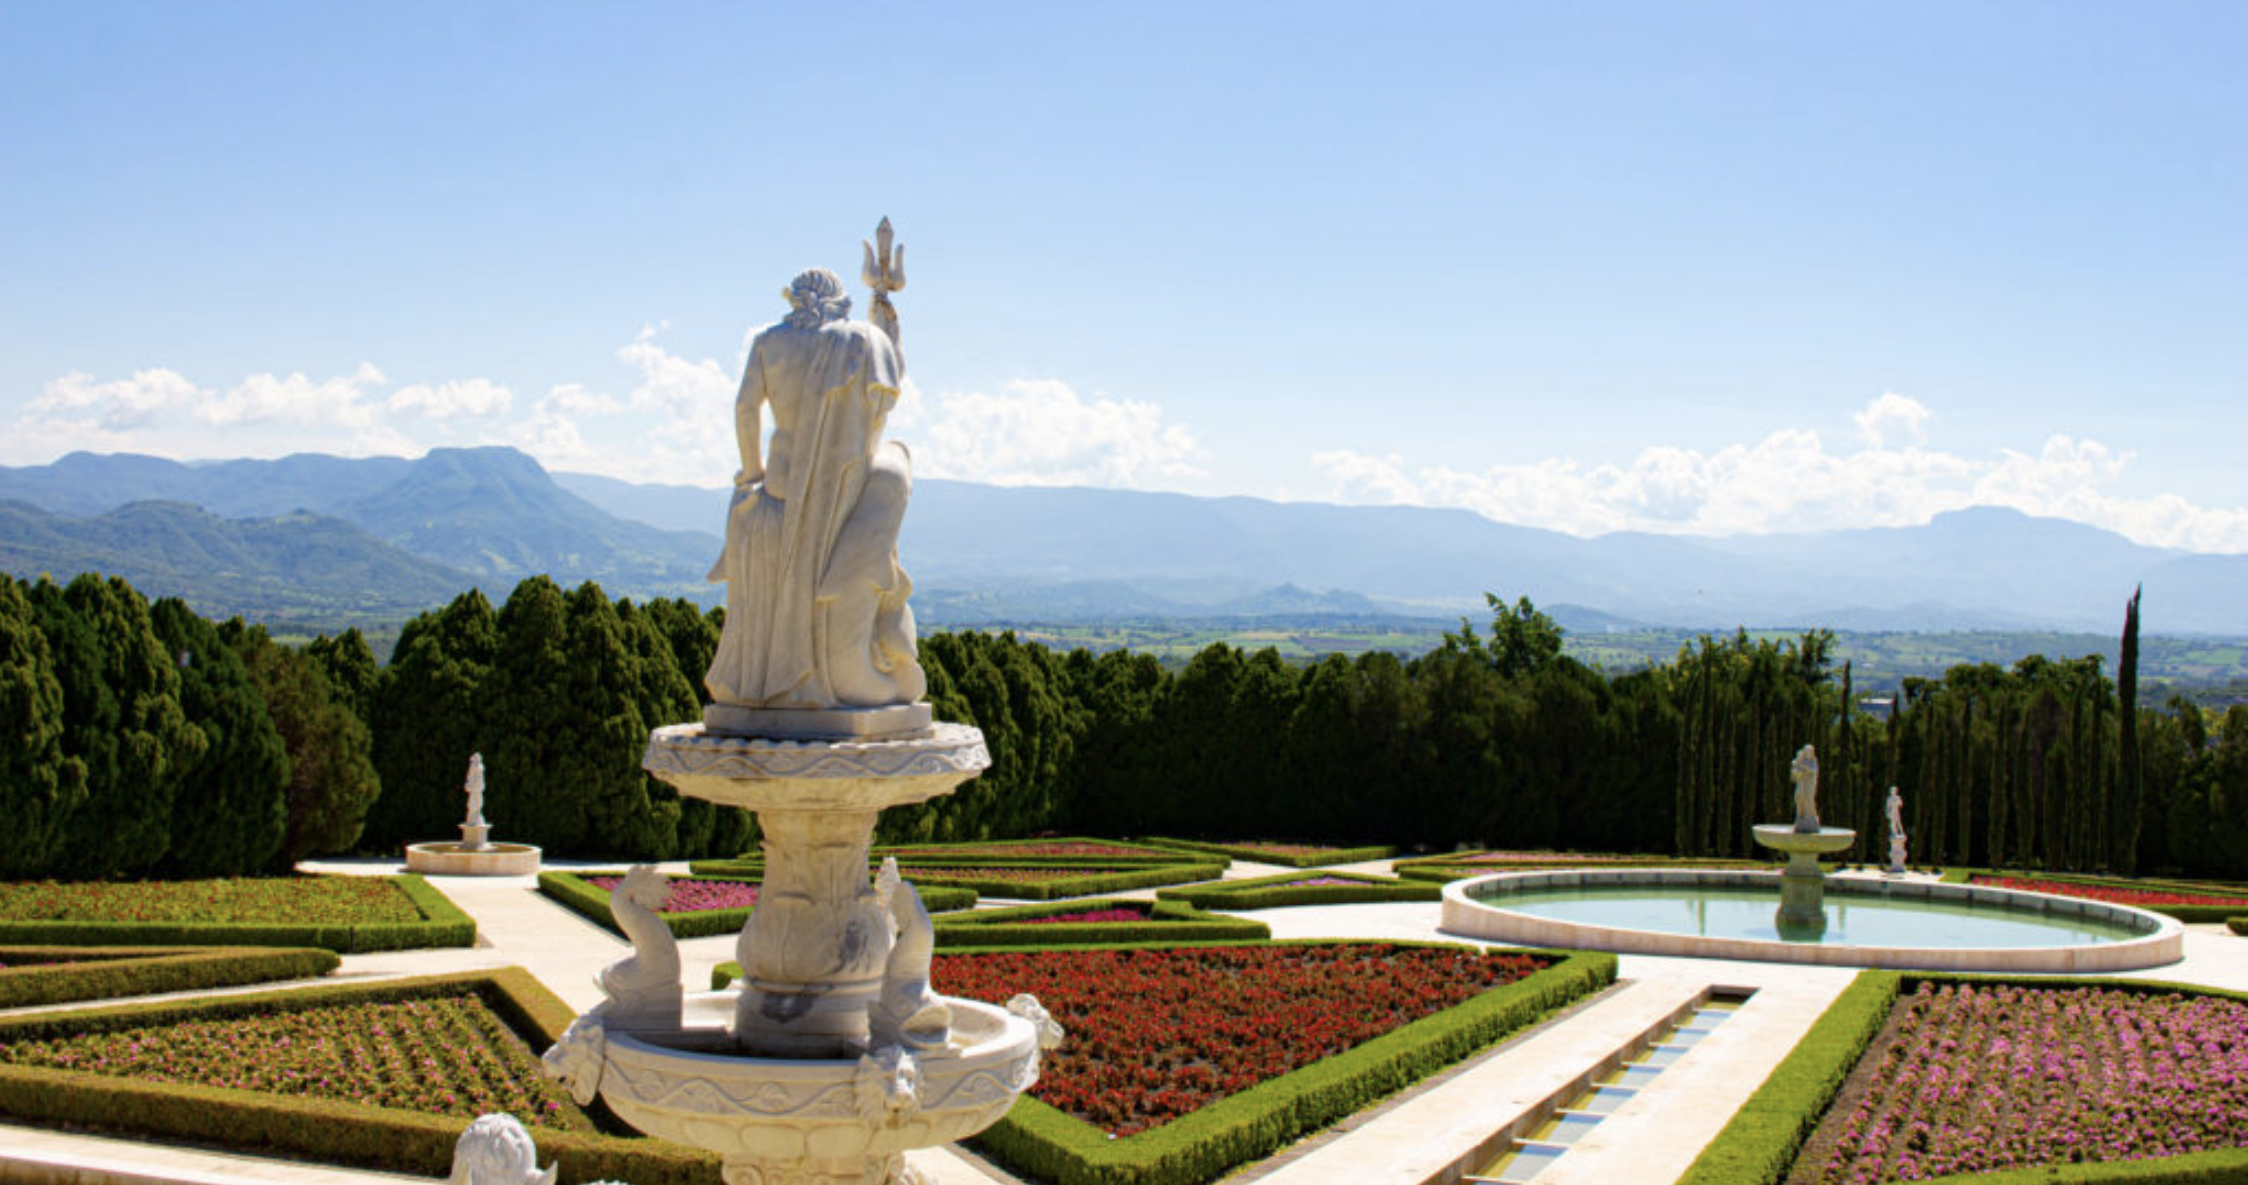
(571, 890)
(1040, 1141)
(2191, 914)
(1173, 921)
(1269, 892)
(107, 972)
(1446, 869)
(1761, 1142)
(334, 1132)
(1088, 885)
(2237, 925)
(924, 853)
(1334, 856)
(442, 924)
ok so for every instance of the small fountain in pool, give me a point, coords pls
(1802, 914)
(1856, 921)
(834, 1056)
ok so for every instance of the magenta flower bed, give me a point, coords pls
(693, 896)
(1121, 914)
(1985, 1077)
(442, 1055)
(2113, 896)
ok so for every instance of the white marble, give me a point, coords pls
(497, 1150)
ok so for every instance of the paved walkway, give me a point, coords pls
(1427, 1133)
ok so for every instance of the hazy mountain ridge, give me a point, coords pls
(983, 553)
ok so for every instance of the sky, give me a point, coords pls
(1704, 268)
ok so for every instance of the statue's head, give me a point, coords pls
(816, 297)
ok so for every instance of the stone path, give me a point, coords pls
(1425, 1134)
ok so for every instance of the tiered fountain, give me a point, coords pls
(1802, 913)
(833, 1056)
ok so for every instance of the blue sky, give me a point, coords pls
(1703, 268)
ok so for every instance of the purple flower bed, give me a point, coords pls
(693, 896)
(1970, 1078)
(1122, 914)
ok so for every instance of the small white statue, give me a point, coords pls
(908, 1012)
(1895, 807)
(1805, 771)
(497, 1150)
(474, 788)
(644, 990)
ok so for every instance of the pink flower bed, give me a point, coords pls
(1284, 849)
(693, 896)
(1982, 1077)
(1123, 914)
(2113, 896)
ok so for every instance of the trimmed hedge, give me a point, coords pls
(944, 853)
(335, 1132)
(61, 974)
(442, 924)
(1272, 892)
(1760, 1145)
(1443, 869)
(1253, 855)
(1038, 1140)
(2237, 925)
(1170, 921)
(571, 889)
(1087, 885)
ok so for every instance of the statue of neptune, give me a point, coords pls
(816, 613)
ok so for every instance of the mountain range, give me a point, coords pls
(410, 532)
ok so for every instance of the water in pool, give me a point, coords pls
(1852, 919)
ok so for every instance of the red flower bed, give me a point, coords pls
(442, 1055)
(693, 896)
(1012, 876)
(1981, 1077)
(2109, 894)
(1120, 914)
(304, 900)
(1155, 1034)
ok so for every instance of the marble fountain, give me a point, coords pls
(833, 1056)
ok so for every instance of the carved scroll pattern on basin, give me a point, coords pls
(949, 749)
(702, 1096)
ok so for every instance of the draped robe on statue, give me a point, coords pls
(816, 613)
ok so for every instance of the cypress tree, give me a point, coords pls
(536, 787)
(229, 813)
(427, 719)
(348, 665)
(332, 781)
(40, 787)
(2131, 785)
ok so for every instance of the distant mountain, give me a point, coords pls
(295, 568)
(985, 553)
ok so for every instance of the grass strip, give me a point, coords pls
(33, 976)
(1279, 892)
(442, 924)
(1316, 858)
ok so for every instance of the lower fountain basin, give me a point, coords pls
(691, 1089)
(1944, 927)
(453, 858)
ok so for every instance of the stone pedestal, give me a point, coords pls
(475, 837)
(1802, 912)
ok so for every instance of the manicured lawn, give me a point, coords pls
(1157, 1033)
(305, 900)
(2110, 894)
(444, 1054)
(693, 896)
(1970, 1077)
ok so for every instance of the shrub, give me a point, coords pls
(1294, 888)
(1174, 921)
(32, 976)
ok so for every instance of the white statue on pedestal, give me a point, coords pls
(816, 614)
(1895, 807)
(1805, 771)
(474, 788)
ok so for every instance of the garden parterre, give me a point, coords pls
(2111, 894)
(308, 900)
(693, 896)
(1155, 1033)
(1972, 1077)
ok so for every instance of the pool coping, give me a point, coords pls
(2161, 940)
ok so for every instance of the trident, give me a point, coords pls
(884, 272)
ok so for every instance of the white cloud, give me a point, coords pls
(118, 404)
(452, 399)
(295, 399)
(1790, 481)
(1040, 432)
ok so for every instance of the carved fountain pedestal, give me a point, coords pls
(832, 1057)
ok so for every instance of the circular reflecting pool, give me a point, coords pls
(1870, 922)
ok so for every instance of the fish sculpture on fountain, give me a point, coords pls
(833, 1055)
